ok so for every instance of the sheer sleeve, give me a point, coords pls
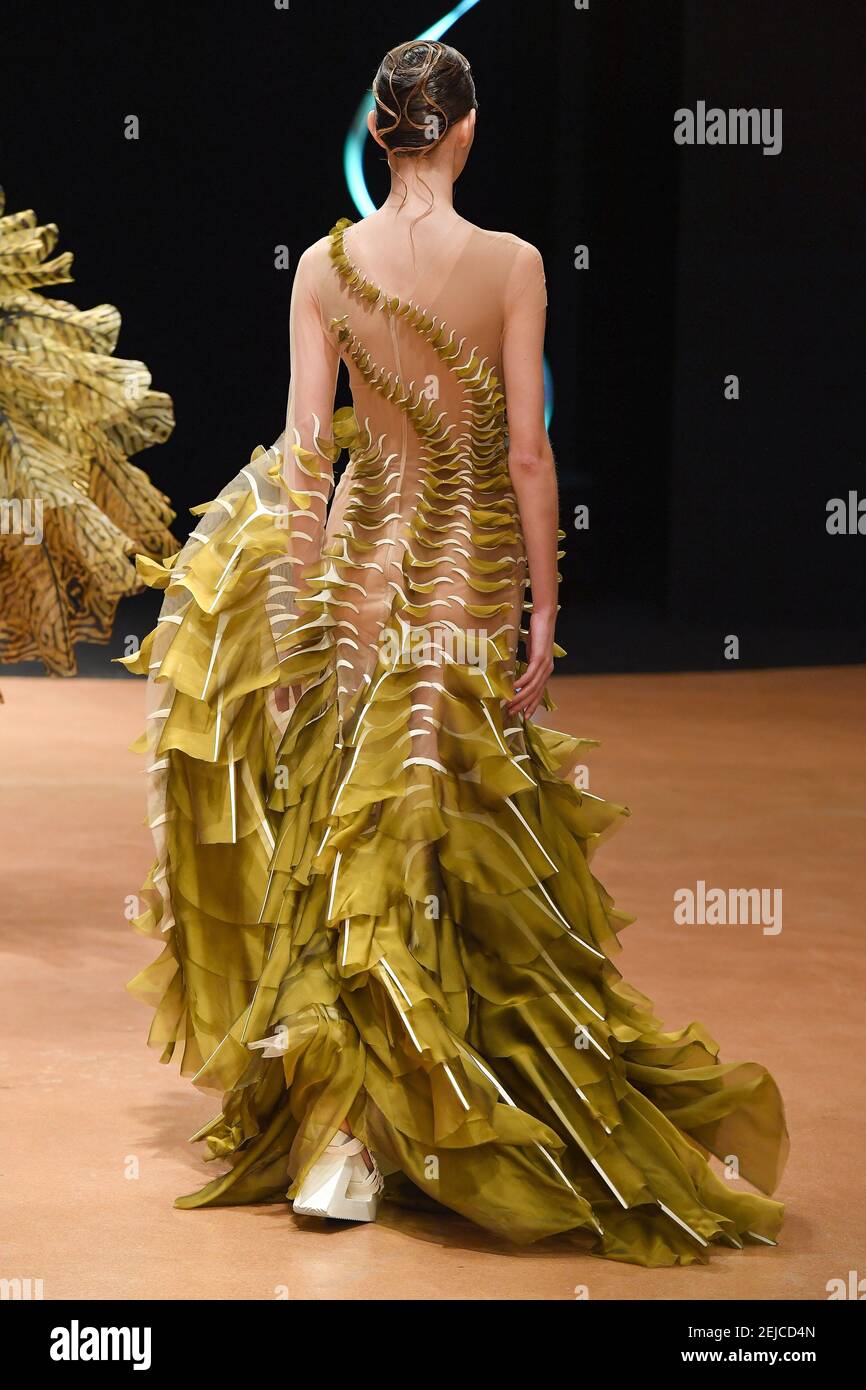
(524, 322)
(526, 287)
(307, 448)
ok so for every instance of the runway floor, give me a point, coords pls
(741, 780)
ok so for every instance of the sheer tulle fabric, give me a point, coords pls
(381, 905)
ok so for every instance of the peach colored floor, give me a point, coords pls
(743, 780)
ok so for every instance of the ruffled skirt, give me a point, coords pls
(418, 944)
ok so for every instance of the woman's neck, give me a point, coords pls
(418, 183)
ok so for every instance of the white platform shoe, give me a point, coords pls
(339, 1184)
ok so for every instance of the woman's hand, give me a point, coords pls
(539, 654)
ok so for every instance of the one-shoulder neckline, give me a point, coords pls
(370, 289)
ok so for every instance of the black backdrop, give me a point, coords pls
(707, 516)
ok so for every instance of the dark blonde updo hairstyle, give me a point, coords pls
(421, 90)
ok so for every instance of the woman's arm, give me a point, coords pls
(531, 465)
(314, 363)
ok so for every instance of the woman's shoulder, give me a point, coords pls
(315, 256)
(507, 240)
(515, 253)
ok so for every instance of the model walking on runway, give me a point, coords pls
(383, 941)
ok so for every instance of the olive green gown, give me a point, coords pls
(380, 906)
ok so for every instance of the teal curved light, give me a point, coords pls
(353, 161)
